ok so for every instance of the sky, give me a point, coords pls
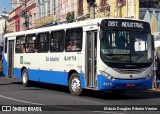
(5, 4)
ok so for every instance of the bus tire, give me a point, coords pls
(119, 92)
(25, 78)
(75, 84)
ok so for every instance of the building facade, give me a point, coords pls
(46, 12)
(28, 15)
(22, 16)
(112, 8)
(50, 11)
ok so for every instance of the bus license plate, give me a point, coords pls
(130, 84)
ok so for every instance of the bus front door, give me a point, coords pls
(91, 59)
(11, 58)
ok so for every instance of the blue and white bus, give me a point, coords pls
(99, 54)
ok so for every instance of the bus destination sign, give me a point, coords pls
(113, 23)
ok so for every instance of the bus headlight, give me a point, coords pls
(109, 76)
(148, 77)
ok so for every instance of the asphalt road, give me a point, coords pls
(58, 98)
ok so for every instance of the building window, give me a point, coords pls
(43, 42)
(74, 39)
(49, 8)
(88, 7)
(80, 7)
(62, 7)
(54, 8)
(122, 2)
(103, 5)
(57, 41)
(30, 43)
(20, 44)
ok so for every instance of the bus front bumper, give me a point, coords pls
(106, 84)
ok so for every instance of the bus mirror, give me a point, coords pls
(100, 35)
(33, 38)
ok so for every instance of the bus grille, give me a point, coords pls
(129, 71)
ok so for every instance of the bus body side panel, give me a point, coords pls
(82, 79)
(105, 83)
(5, 65)
(17, 73)
(52, 77)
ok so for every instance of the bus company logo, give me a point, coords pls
(21, 59)
(6, 108)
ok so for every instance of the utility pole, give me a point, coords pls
(26, 23)
(92, 8)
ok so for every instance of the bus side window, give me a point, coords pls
(43, 42)
(30, 43)
(74, 39)
(20, 44)
(57, 41)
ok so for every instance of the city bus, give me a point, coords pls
(113, 54)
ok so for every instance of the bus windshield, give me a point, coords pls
(126, 46)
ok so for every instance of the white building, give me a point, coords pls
(3, 22)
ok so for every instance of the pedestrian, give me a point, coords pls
(69, 47)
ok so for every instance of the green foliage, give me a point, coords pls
(158, 48)
(70, 17)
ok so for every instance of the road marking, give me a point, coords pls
(56, 106)
(20, 100)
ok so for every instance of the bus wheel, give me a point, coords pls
(25, 80)
(75, 85)
(119, 92)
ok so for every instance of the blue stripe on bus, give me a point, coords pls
(5, 65)
(105, 83)
(53, 77)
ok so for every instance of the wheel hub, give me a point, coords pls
(75, 84)
(24, 78)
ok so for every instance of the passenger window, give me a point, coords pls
(31, 43)
(43, 42)
(20, 44)
(74, 40)
(57, 41)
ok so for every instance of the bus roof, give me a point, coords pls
(64, 26)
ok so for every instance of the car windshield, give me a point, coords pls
(126, 46)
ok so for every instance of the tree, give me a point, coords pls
(70, 17)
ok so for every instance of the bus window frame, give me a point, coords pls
(39, 42)
(74, 39)
(26, 43)
(59, 41)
